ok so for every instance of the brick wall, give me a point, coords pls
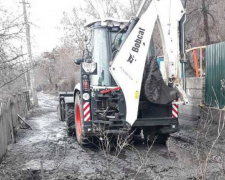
(189, 114)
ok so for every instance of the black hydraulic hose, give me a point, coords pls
(130, 28)
(127, 25)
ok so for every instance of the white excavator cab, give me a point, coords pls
(104, 39)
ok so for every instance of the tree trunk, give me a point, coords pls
(205, 21)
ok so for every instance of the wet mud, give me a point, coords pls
(46, 152)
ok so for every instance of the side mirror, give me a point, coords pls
(78, 61)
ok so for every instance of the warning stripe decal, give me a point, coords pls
(86, 110)
(175, 110)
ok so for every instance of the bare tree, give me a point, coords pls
(12, 65)
(57, 69)
(203, 21)
(101, 9)
(205, 14)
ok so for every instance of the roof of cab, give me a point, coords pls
(105, 22)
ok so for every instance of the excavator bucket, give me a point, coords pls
(154, 88)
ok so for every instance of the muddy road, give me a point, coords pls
(46, 152)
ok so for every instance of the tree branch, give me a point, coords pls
(13, 59)
(16, 77)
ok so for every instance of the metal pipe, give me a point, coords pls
(184, 64)
(195, 48)
(201, 66)
(182, 49)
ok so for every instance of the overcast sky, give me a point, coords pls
(46, 15)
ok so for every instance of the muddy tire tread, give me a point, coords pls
(84, 141)
(69, 117)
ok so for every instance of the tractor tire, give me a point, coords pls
(59, 113)
(162, 139)
(61, 110)
(69, 117)
(79, 122)
(136, 135)
(152, 135)
(149, 135)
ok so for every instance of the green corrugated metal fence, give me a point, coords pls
(215, 75)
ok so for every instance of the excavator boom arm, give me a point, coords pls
(128, 66)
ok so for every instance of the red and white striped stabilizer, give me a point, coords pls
(87, 112)
(175, 110)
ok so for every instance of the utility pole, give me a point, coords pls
(32, 79)
(24, 69)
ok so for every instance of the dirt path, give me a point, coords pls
(62, 158)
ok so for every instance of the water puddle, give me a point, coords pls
(36, 165)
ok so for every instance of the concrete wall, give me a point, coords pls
(189, 114)
(18, 104)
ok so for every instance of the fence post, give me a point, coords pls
(10, 120)
(2, 148)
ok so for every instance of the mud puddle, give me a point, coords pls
(177, 152)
